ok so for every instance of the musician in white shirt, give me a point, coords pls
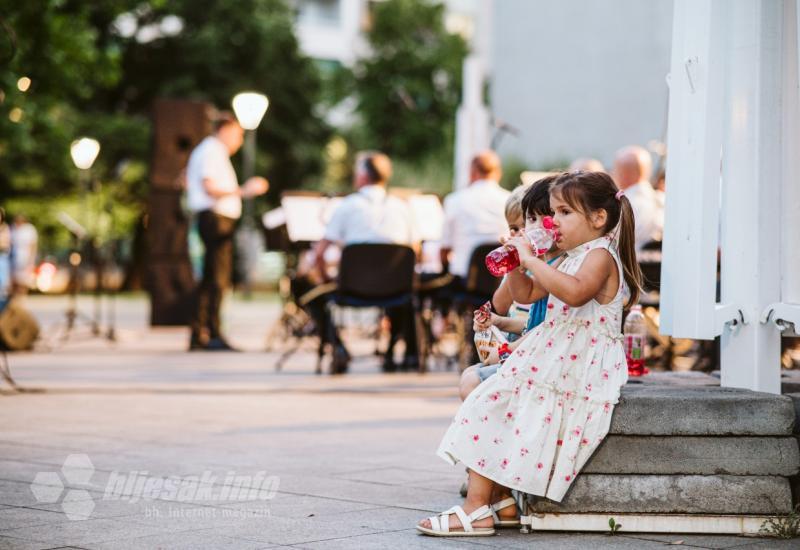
(370, 215)
(474, 215)
(632, 171)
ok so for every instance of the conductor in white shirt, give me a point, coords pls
(215, 198)
(371, 215)
(632, 170)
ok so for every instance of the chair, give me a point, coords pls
(378, 275)
(663, 348)
(650, 264)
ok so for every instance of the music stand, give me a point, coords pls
(292, 228)
(72, 315)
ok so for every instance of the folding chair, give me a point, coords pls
(378, 275)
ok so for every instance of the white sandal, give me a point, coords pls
(440, 525)
(497, 506)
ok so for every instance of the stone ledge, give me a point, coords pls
(703, 411)
(795, 397)
(696, 455)
(663, 494)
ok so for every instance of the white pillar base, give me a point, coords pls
(646, 523)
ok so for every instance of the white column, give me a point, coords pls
(472, 120)
(752, 171)
(696, 82)
(790, 221)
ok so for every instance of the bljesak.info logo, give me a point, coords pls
(78, 487)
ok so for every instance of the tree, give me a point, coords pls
(50, 68)
(96, 67)
(224, 47)
(408, 89)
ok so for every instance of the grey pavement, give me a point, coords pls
(170, 449)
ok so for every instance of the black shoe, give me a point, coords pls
(219, 344)
(196, 344)
(341, 360)
(410, 363)
(388, 364)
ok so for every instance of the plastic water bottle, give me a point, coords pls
(635, 338)
(503, 259)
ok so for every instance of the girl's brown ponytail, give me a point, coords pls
(627, 250)
(591, 191)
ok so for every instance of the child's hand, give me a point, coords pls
(483, 322)
(523, 247)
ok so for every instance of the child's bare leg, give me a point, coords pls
(469, 381)
(478, 494)
(500, 493)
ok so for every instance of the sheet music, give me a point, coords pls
(307, 216)
(274, 218)
(428, 216)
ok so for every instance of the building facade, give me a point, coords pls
(578, 78)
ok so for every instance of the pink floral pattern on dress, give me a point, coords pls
(570, 373)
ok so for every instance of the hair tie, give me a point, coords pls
(619, 194)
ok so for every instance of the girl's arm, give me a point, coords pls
(509, 324)
(494, 358)
(502, 299)
(574, 290)
(522, 288)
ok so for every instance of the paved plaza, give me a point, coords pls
(140, 444)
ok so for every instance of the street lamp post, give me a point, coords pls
(83, 151)
(249, 108)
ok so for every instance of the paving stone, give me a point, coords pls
(299, 507)
(277, 530)
(702, 541)
(356, 451)
(509, 539)
(674, 494)
(696, 455)
(9, 543)
(208, 539)
(11, 518)
(407, 539)
(654, 410)
(83, 533)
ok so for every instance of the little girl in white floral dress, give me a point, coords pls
(533, 425)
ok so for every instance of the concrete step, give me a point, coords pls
(702, 411)
(730, 455)
(795, 397)
(673, 494)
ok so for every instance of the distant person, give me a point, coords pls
(370, 215)
(586, 165)
(474, 215)
(24, 248)
(215, 198)
(5, 259)
(632, 171)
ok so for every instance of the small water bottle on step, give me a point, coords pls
(635, 339)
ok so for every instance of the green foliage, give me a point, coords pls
(783, 527)
(433, 174)
(226, 47)
(613, 526)
(512, 168)
(409, 89)
(90, 77)
(57, 48)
